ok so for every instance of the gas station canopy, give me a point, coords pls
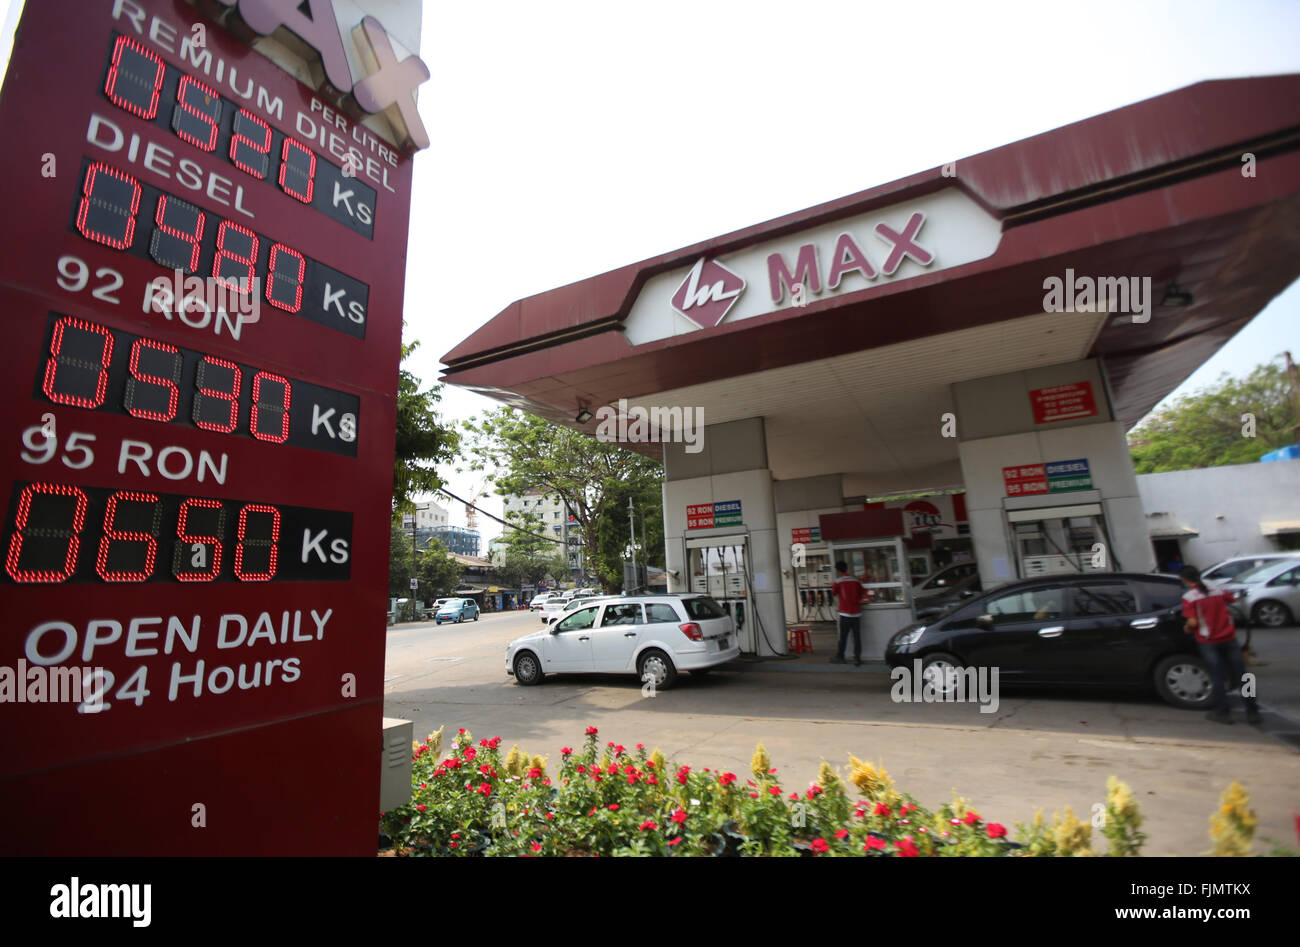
(862, 312)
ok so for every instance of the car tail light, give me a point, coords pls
(692, 631)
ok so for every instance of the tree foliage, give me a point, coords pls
(435, 569)
(423, 441)
(519, 452)
(615, 529)
(1207, 428)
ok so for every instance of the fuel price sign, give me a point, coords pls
(202, 286)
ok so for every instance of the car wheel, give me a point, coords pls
(1271, 614)
(460, 618)
(1182, 680)
(658, 667)
(940, 669)
(476, 616)
(528, 670)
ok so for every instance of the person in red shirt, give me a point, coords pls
(1210, 622)
(850, 593)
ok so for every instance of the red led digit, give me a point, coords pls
(250, 144)
(208, 567)
(110, 199)
(135, 78)
(183, 224)
(285, 272)
(278, 408)
(218, 418)
(273, 543)
(78, 377)
(297, 170)
(40, 533)
(114, 535)
(151, 388)
(244, 254)
(198, 111)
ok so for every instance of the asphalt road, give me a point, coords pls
(1039, 750)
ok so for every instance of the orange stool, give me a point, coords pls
(800, 641)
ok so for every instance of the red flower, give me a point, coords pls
(483, 742)
(620, 750)
(640, 746)
(485, 769)
(596, 776)
(631, 779)
(424, 785)
(440, 771)
(537, 846)
(841, 833)
(566, 751)
(550, 815)
(682, 774)
(873, 843)
(534, 773)
(679, 816)
(647, 824)
(613, 807)
(461, 730)
(455, 845)
(485, 788)
(753, 795)
(772, 770)
(592, 731)
(971, 818)
(906, 848)
(995, 830)
(592, 812)
(727, 778)
(580, 768)
(820, 845)
(906, 808)
(470, 752)
(675, 841)
(421, 808)
(494, 742)
(612, 768)
(652, 781)
(881, 809)
(776, 791)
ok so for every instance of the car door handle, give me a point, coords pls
(1053, 632)
(584, 638)
(1144, 623)
(629, 634)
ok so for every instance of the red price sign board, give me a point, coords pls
(699, 516)
(1027, 480)
(1063, 402)
(202, 289)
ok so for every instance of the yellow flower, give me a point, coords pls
(1072, 837)
(435, 741)
(539, 763)
(515, 761)
(872, 781)
(826, 777)
(1232, 828)
(760, 764)
(658, 759)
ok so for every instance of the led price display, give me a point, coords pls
(137, 80)
(178, 235)
(91, 366)
(56, 532)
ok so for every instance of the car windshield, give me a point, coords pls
(1257, 574)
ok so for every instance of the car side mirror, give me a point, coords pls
(985, 621)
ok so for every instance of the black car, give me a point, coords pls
(1081, 629)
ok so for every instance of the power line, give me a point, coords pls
(549, 539)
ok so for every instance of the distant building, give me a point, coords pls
(556, 522)
(457, 539)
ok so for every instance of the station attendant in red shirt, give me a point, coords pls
(1210, 622)
(850, 593)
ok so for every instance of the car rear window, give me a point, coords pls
(1158, 596)
(702, 608)
(1109, 598)
(661, 613)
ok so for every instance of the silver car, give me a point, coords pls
(1268, 595)
(1226, 571)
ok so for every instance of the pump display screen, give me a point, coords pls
(202, 289)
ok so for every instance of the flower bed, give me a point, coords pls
(611, 800)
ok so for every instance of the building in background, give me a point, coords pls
(458, 540)
(556, 521)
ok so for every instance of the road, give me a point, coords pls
(1039, 750)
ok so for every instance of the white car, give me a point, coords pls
(553, 608)
(652, 636)
(1228, 570)
(537, 601)
(1268, 595)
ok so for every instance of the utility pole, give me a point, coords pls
(645, 557)
(1293, 374)
(631, 514)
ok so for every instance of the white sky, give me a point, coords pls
(570, 138)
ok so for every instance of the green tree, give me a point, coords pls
(438, 572)
(1207, 428)
(614, 531)
(401, 560)
(423, 441)
(520, 452)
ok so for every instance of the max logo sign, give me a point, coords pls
(389, 86)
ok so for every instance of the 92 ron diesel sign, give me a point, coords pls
(196, 483)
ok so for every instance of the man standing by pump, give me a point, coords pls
(850, 593)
